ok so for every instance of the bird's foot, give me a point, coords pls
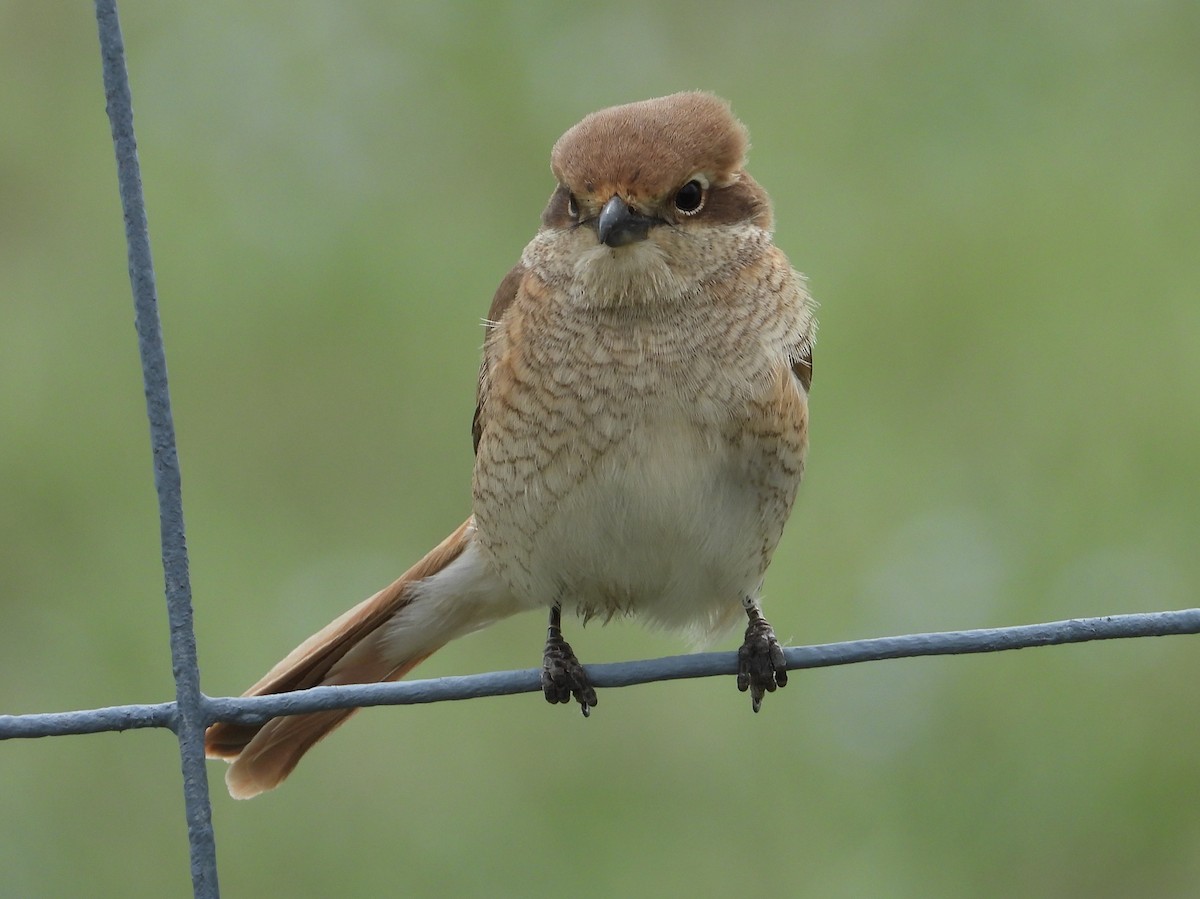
(761, 665)
(563, 677)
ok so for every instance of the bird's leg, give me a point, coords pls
(562, 675)
(761, 665)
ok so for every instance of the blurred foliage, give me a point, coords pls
(998, 206)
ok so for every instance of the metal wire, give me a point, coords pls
(187, 719)
(607, 676)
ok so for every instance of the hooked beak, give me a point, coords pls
(619, 225)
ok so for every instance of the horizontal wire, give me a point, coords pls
(253, 709)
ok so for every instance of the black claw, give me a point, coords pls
(563, 677)
(762, 667)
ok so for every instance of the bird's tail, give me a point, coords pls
(380, 639)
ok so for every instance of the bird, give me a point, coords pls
(640, 429)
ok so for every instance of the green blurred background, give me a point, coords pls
(998, 206)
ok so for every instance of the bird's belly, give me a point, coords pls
(665, 523)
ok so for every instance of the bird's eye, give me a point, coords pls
(690, 198)
(572, 206)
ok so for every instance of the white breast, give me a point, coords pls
(662, 525)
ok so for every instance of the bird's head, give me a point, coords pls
(654, 193)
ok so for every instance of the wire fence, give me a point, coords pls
(191, 712)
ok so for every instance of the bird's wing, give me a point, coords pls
(505, 294)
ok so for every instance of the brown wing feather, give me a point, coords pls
(802, 368)
(501, 300)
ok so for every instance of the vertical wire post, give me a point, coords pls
(190, 717)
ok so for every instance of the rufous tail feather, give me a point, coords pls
(349, 650)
